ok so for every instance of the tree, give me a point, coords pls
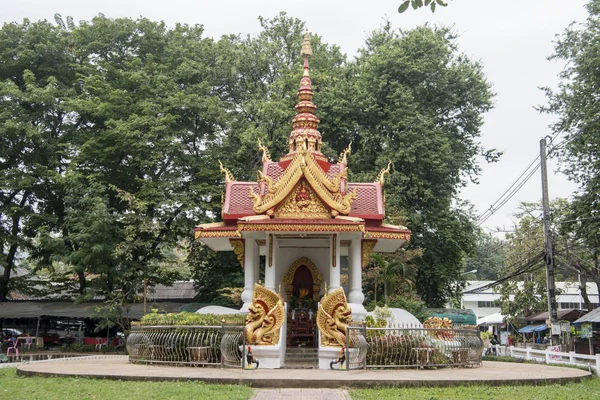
(524, 266)
(488, 258)
(575, 104)
(36, 76)
(416, 4)
(388, 272)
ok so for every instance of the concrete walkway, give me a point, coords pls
(300, 394)
(491, 373)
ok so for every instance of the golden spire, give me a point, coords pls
(306, 48)
(305, 135)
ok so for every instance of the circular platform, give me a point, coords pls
(490, 373)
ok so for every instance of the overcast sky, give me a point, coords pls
(511, 39)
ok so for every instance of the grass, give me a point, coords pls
(16, 388)
(589, 388)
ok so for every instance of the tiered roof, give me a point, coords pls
(303, 185)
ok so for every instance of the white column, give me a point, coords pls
(270, 272)
(256, 263)
(334, 263)
(356, 296)
(250, 250)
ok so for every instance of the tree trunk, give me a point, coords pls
(584, 294)
(12, 250)
(82, 282)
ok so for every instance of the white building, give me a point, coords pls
(484, 302)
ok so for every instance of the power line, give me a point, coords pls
(521, 269)
(512, 191)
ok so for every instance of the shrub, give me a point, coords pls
(188, 318)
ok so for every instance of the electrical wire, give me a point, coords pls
(503, 200)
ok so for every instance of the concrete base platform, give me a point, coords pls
(490, 373)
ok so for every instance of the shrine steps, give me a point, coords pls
(301, 358)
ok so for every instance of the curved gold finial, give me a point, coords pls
(342, 159)
(266, 155)
(306, 47)
(382, 173)
(228, 175)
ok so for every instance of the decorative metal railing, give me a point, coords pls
(423, 347)
(189, 345)
(395, 347)
(407, 346)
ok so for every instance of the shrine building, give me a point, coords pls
(304, 217)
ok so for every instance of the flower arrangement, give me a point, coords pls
(436, 324)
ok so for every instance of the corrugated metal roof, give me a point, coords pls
(567, 314)
(178, 290)
(592, 316)
(34, 309)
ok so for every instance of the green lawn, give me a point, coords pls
(27, 388)
(588, 389)
(14, 387)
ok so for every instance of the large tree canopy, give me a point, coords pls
(575, 102)
(112, 128)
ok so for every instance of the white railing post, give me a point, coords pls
(547, 353)
(527, 353)
(598, 364)
(572, 358)
(510, 351)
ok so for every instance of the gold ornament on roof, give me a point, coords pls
(266, 155)
(382, 173)
(271, 188)
(306, 47)
(265, 317)
(228, 175)
(333, 317)
(344, 154)
(238, 246)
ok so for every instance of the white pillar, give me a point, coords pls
(250, 250)
(334, 263)
(270, 272)
(356, 296)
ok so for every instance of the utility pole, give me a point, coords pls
(548, 242)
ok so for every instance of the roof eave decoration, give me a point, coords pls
(303, 164)
(380, 177)
(228, 175)
(343, 155)
(266, 155)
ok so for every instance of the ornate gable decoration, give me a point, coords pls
(325, 195)
(302, 203)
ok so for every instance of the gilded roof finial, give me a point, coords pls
(382, 174)
(344, 154)
(228, 175)
(306, 48)
(266, 155)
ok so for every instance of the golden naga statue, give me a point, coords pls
(265, 318)
(333, 318)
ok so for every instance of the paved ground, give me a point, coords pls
(494, 373)
(301, 394)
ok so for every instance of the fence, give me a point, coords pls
(549, 356)
(408, 346)
(187, 345)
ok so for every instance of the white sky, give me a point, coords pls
(511, 39)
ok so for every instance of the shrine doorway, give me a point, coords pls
(302, 286)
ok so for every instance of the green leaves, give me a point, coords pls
(416, 4)
(404, 6)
